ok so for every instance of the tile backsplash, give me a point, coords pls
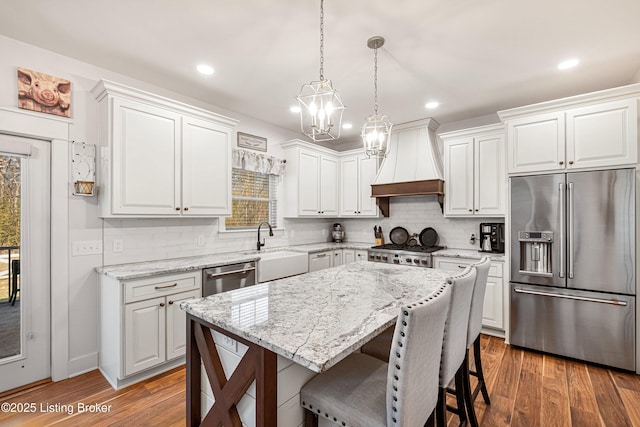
(138, 240)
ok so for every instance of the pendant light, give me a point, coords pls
(377, 127)
(320, 104)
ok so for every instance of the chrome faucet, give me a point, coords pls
(259, 245)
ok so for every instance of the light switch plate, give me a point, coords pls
(117, 245)
(86, 247)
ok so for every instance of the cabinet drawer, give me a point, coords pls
(459, 264)
(138, 290)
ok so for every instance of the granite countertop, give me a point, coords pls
(178, 265)
(317, 319)
(468, 253)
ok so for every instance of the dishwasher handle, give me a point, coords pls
(229, 273)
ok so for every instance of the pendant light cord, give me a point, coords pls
(375, 80)
(321, 40)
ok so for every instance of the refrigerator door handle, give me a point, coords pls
(563, 219)
(572, 297)
(570, 232)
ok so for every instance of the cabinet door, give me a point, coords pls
(492, 308)
(536, 143)
(206, 168)
(337, 258)
(361, 256)
(349, 186)
(177, 323)
(329, 186)
(367, 171)
(145, 162)
(309, 183)
(348, 256)
(603, 135)
(144, 331)
(458, 177)
(320, 261)
(489, 175)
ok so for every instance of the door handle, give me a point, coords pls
(166, 286)
(563, 218)
(228, 273)
(572, 297)
(570, 232)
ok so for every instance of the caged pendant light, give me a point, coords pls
(377, 127)
(320, 104)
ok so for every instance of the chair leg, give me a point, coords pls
(310, 419)
(466, 391)
(441, 408)
(460, 395)
(478, 362)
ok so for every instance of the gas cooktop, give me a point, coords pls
(409, 248)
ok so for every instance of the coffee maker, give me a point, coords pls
(338, 233)
(492, 237)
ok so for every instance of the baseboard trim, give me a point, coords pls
(83, 364)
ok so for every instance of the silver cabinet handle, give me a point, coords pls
(570, 231)
(166, 286)
(321, 256)
(563, 218)
(462, 266)
(572, 297)
(227, 273)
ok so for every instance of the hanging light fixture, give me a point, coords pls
(377, 127)
(320, 104)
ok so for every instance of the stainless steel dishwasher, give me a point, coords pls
(228, 277)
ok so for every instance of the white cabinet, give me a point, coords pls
(310, 182)
(353, 255)
(474, 172)
(142, 328)
(337, 259)
(574, 133)
(161, 158)
(361, 255)
(357, 173)
(492, 313)
(320, 260)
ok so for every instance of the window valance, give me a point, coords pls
(256, 162)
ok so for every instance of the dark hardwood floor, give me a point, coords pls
(527, 389)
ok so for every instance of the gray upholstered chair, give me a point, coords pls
(473, 339)
(364, 391)
(454, 345)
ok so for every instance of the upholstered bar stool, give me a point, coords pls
(473, 339)
(454, 344)
(362, 391)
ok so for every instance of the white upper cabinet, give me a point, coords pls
(357, 173)
(161, 158)
(474, 172)
(589, 131)
(310, 182)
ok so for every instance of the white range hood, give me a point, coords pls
(413, 165)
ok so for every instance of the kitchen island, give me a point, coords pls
(314, 320)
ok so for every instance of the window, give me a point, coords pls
(254, 199)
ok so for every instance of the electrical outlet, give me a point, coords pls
(200, 240)
(117, 245)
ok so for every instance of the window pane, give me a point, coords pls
(247, 213)
(250, 184)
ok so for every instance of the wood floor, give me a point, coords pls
(527, 389)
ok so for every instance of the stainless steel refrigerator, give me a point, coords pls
(573, 281)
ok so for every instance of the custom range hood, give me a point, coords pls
(413, 166)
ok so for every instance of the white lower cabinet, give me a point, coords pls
(337, 258)
(492, 313)
(142, 328)
(320, 260)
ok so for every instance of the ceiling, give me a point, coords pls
(474, 57)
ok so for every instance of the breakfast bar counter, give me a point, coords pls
(315, 320)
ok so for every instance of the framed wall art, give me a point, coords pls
(252, 142)
(44, 93)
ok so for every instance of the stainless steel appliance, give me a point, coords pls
(417, 256)
(573, 265)
(228, 277)
(338, 233)
(492, 237)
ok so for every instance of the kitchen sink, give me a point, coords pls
(279, 264)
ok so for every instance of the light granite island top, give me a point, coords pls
(291, 329)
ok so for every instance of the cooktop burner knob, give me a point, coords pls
(378, 257)
(384, 258)
(425, 262)
(396, 261)
(371, 257)
(408, 260)
(416, 260)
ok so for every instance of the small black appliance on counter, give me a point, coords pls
(492, 237)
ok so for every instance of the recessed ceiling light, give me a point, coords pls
(347, 126)
(432, 104)
(569, 63)
(295, 109)
(205, 69)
